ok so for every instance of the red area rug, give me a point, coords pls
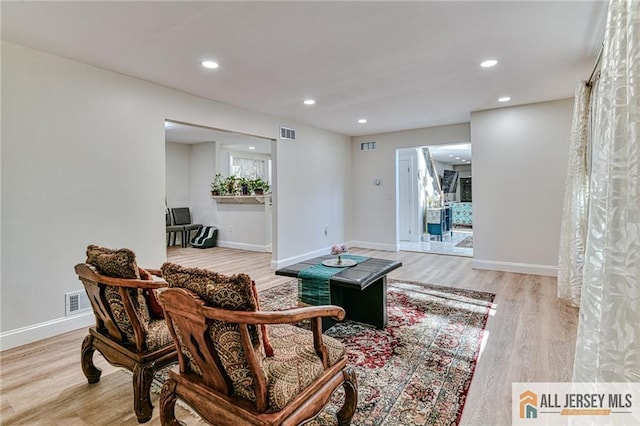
(416, 371)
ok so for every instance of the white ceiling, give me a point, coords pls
(187, 134)
(401, 65)
(451, 154)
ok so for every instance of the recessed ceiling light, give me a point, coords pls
(252, 147)
(488, 63)
(457, 158)
(309, 102)
(504, 99)
(450, 155)
(362, 120)
(209, 64)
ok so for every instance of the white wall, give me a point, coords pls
(374, 207)
(519, 170)
(203, 170)
(83, 162)
(317, 187)
(440, 167)
(178, 174)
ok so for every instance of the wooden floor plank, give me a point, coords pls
(530, 337)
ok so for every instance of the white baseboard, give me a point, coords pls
(374, 246)
(245, 246)
(33, 333)
(281, 263)
(522, 268)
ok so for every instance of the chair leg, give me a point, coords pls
(168, 404)
(350, 386)
(142, 378)
(91, 372)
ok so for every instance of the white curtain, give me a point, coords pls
(573, 231)
(248, 168)
(608, 342)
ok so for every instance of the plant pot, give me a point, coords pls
(245, 189)
(215, 193)
(258, 191)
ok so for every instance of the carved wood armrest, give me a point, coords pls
(289, 316)
(156, 272)
(185, 303)
(314, 313)
(86, 272)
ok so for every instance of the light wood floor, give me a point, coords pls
(531, 337)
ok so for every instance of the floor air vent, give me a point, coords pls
(76, 302)
(286, 133)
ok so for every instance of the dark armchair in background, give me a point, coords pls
(182, 217)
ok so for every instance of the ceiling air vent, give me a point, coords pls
(286, 133)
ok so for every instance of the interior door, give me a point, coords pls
(405, 200)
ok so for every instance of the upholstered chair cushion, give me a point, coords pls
(120, 263)
(217, 290)
(227, 292)
(158, 335)
(295, 364)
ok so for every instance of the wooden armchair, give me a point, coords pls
(226, 374)
(127, 332)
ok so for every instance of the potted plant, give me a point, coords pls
(244, 185)
(218, 186)
(232, 184)
(259, 186)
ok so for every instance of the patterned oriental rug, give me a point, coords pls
(416, 371)
(465, 243)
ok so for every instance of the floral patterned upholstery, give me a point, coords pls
(158, 335)
(117, 309)
(295, 364)
(119, 263)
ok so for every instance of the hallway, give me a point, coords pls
(446, 246)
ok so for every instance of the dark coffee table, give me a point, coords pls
(361, 289)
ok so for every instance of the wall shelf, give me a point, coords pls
(239, 199)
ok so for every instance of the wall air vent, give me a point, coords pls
(286, 133)
(367, 146)
(76, 302)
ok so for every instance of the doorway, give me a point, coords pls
(194, 156)
(451, 206)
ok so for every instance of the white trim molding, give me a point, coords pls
(374, 246)
(33, 333)
(244, 246)
(522, 268)
(281, 263)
